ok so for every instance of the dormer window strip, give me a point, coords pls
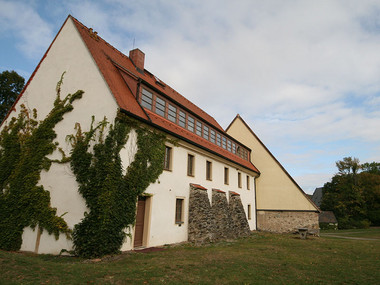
(180, 117)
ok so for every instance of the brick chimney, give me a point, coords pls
(138, 58)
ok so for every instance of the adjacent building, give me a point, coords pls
(281, 204)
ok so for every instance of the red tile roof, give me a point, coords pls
(197, 186)
(123, 79)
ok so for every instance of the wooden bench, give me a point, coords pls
(303, 232)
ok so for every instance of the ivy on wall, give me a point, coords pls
(25, 144)
(111, 195)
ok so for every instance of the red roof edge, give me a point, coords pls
(219, 191)
(197, 186)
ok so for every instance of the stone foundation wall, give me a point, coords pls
(286, 221)
(221, 220)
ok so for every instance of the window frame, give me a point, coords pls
(208, 170)
(172, 113)
(190, 165)
(239, 179)
(179, 211)
(145, 103)
(226, 176)
(248, 182)
(198, 128)
(190, 123)
(168, 158)
(161, 112)
(181, 119)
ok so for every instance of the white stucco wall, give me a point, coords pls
(175, 184)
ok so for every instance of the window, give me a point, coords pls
(208, 170)
(167, 159)
(226, 175)
(229, 145)
(224, 142)
(239, 179)
(179, 211)
(160, 106)
(182, 119)
(233, 148)
(249, 211)
(198, 130)
(238, 151)
(212, 136)
(172, 113)
(147, 99)
(205, 132)
(218, 139)
(190, 124)
(190, 165)
(245, 154)
(248, 183)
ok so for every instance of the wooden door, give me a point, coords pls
(139, 228)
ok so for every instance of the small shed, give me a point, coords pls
(327, 220)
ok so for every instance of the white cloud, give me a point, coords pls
(32, 32)
(304, 74)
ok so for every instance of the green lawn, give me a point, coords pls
(357, 233)
(259, 259)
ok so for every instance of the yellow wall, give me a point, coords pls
(275, 190)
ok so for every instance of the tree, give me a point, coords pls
(11, 85)
(373, 167)
(354, 194)
(348, 165)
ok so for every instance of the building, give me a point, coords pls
(317, 196)
(281, 204)
(207, 188)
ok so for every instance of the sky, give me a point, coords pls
(305, 75)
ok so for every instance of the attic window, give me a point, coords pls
(224, 142)
(182, 119)
(205, 132)
(147, 99)
(160, 106)
(190, 124)
(218, 139)
(229, 145)
(172, 113)
(199, 129)
(212, 136)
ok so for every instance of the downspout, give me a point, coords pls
(254, 184)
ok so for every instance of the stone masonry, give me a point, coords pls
(222, 220)
(286, 221)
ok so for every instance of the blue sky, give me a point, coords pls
(305, 75)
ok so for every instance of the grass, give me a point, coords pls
(357, 233)
(262, 258)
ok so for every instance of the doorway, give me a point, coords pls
(140, 221)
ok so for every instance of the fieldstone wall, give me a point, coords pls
(221, 214)
(239, 222)
(222, 220)
(201, 226)
(286, 221)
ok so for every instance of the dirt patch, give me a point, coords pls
(149, 249)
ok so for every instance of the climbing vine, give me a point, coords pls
(25, 144)
(111, 193)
